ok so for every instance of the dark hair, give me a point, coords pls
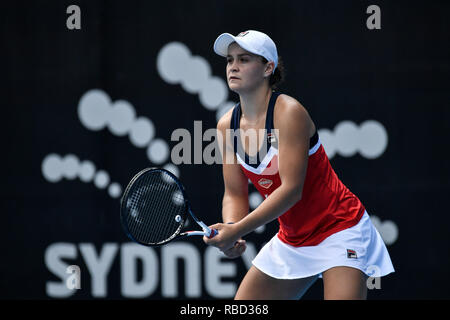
(278, 76)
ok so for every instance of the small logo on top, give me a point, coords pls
(351, 254)
(265, 183)
(271, 138)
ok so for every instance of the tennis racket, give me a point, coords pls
(154, 209)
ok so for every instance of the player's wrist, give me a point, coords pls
(242, 228)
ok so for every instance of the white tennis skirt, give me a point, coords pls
(360, 247)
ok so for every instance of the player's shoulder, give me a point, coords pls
(288, 107)
(224, 121)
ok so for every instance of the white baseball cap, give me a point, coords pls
(253, 41)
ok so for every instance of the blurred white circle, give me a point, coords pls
(260, 229)
(166, 177)
(101, 179)
(93, 109)
(375, 221)
(224, 109)
(158, 151)
(121, 117)
(70, 166)
(196, 74)
(52, 169)
(389, 232)
(255, 200)
(172, 61)
(173, 169)
(115, 190)
(213, 93)
(374, 139)
(177, 198)
(142, 132)
(387, 229)
(177, 218)
(86, 171)
(346, 135)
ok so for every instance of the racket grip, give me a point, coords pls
(213, 233)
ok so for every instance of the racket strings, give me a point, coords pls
(138, 221)
(160, 231)
(142, 230)
(153, 204)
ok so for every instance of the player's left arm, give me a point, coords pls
(294, 126)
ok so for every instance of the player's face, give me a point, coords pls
(245, 70)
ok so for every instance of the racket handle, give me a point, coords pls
(213, 233)
(206, 230)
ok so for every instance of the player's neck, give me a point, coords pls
(254, 104)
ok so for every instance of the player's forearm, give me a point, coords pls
(234, 208)
(271, 208)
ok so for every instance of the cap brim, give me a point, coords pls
(225, 39)
(222, 42)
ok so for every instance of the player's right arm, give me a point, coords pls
(235, 204)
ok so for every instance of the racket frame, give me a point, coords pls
(208, 232)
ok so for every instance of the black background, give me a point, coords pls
(337, 67)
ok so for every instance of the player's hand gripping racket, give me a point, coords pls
(154, 208)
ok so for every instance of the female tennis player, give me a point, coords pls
(325, 230)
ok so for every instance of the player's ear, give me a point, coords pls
(270, 66)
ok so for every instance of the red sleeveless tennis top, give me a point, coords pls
(327, 205)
